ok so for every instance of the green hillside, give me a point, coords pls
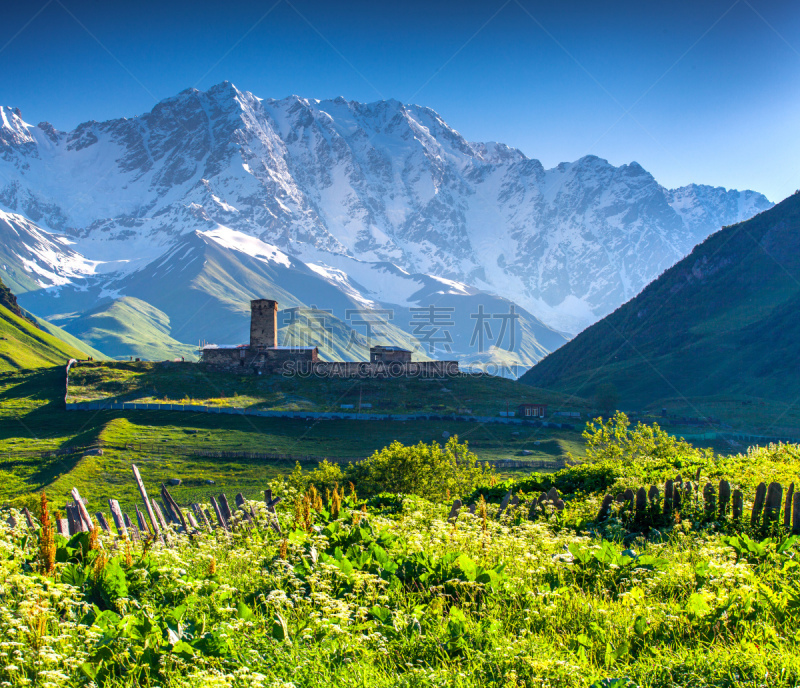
(23, 345)
(127, 327)
(201, 290)
(70, 339)
(721, 322)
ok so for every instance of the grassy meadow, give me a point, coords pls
(168, 444)
(376, 589)
(190, 383)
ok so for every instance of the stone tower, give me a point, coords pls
(263, 323)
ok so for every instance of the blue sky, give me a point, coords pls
(702, 92)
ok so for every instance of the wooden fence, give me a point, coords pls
(772, 507)
(161, 520)
(771, 504)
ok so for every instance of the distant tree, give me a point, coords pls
(606, 398)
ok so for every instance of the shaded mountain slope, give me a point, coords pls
(201, 289)
(724, 320)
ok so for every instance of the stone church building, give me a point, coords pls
(263, 355)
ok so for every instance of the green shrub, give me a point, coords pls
(430, 470)
(326, 476)
(641, 447)
(583, 478)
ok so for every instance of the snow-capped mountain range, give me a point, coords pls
(369, 197)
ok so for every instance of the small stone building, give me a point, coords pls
(532, 410)
(389, 354)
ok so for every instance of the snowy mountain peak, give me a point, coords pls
(324, 180)
(14, 131)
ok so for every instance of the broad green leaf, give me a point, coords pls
(73, 574)
(697, 605)
(243, 611)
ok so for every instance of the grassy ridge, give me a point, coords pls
(166, 444)
(127, 327)
(464, 395)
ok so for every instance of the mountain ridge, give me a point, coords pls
(28, 342)
(382, 181)
(720, 321)
(336, 186)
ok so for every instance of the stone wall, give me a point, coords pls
(362, 369)
(306, 363)
(257, 361)
(380, 355)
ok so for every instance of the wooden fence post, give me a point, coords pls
(159, 514)
(166, 511)
(504, 503)
(274, 523)
(116, 516)
(641, 501)
(676, 497)
(758, 504)
(220, 518)
(142, 522)
(82, 512)
(772, 505)
(787, 507)
(146, 500)
(738, 505)
(192, 522)
(225, 508)
(74, 522)
(454, 511)
(627, 498)
(101, 519)
(173, 505)
(668, 495)
(724, 497)
(709, 499)
(605, 508)
(62, 527)
(241, 504)
(201, 517)
(796, 513)
(28, 518)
